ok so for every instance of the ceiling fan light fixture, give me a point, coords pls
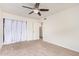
(36, 11)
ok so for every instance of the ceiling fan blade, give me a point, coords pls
(37, 5)
(31, 12)
(27, 7)
(39, 13)
(44, 9)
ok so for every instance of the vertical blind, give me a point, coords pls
(14, 31)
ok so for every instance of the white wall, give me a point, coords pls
(63, 29)
(32, 25)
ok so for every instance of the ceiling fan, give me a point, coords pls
(36, 9)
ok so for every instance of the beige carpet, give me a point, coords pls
(35, 48)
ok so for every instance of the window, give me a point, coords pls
(14, 31)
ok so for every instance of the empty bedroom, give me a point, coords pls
(39, 29)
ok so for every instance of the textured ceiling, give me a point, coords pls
(16, 8)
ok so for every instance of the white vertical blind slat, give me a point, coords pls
(7, 31)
